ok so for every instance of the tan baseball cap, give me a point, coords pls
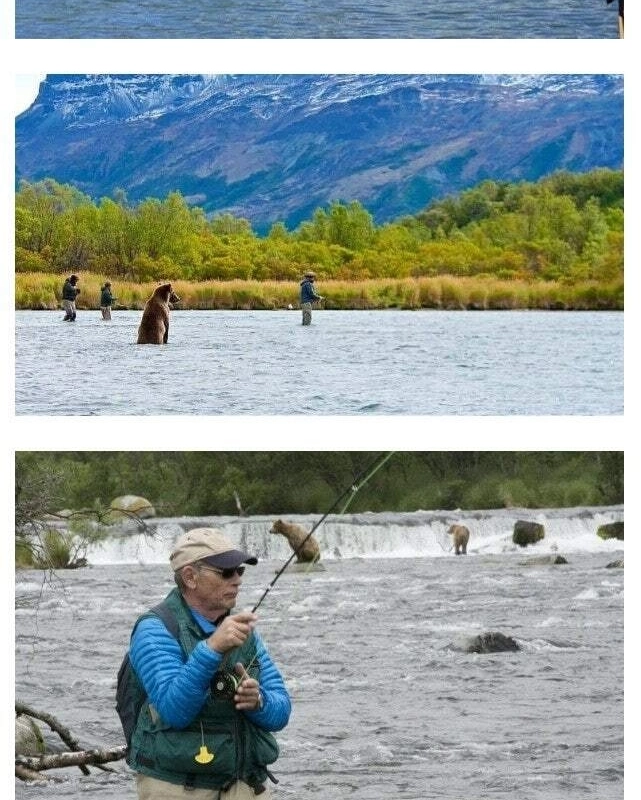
(209, 545)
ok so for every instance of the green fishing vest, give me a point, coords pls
(240, 749)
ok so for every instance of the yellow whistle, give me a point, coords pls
(204, 756)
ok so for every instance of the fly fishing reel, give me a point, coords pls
(224, 684)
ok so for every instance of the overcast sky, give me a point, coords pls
(26, 91)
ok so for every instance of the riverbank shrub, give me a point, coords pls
(50, 550)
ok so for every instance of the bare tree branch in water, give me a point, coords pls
(28, 766)
(81, 758)
(31, 776)
(63, 732)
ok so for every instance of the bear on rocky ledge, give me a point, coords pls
(296, 535)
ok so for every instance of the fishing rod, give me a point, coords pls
(225, 682)
(361, 479)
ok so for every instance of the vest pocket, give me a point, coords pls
(212, 752)
(265, 746)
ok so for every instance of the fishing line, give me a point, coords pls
(225, 682)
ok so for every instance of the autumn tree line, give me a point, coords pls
(564, 230)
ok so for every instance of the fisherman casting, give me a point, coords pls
(212, 694)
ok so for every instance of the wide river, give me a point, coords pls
(386, 702)
(318, 19)
(345, 363)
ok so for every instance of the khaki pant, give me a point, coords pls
(152, 789)
(106, 312)
(307, 313)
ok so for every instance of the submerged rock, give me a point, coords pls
(492, 642)
(541, 560)
(618, 564)
(305, 567)
(488, 642)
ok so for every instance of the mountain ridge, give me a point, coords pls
(275, 147)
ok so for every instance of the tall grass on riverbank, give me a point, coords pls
(42, 291)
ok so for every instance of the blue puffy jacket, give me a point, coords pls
(178, 689)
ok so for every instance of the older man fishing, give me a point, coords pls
(213, 694)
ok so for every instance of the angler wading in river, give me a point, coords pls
(308, 296)
(70, 291)
(106, 300)
(213, 693)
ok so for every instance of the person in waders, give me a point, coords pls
(106, 300)
(308, 296)
(69, 293)
(213, 693)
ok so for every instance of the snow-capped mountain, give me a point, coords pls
(270, 147)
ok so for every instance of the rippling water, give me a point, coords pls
(360, 362)
(385, 705)
(300, 19)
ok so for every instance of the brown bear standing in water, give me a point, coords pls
(295, 535)
(460, 537)
(154, 325)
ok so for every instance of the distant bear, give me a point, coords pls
(154, 325)
(295, 535)
(460, 537)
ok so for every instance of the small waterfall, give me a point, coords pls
(370, 535)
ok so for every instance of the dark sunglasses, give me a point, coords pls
(227, 573)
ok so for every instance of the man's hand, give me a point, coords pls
(232, 631)
(248, 696)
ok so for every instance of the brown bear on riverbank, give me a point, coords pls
(295, 535)
(154, 325)
(460, 537)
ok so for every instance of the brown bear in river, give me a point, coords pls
(295, 535)
(154, 325)
(460, 537)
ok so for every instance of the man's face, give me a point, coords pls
(210, 592)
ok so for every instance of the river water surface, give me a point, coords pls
(385, 701)
(346, 362)
(318, 19)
